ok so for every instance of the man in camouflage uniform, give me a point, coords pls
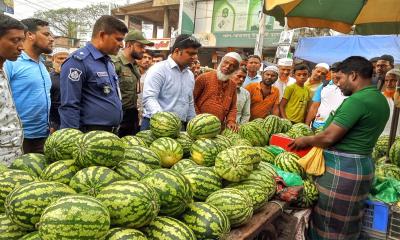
(129, 76)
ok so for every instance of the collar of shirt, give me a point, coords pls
(125, 61)
(95, 52)
(256, 77)
(25, 56)
(173, 64)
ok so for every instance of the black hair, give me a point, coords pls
(155, 55)
(8, 23)
(32, 24)
(109, 25)
(254, 56)
(243, 69)
(374, 59)
(184, 41)
(301, 66)
(149, 52)
(388, 58)
(357, 64)
(334, 66)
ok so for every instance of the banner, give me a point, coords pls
(160, 44)
(188, 15)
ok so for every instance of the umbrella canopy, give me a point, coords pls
(369, 16)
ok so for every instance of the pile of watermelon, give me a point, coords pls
(163, 183)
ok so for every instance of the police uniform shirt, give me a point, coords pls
(89, 90)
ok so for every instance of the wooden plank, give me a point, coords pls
(259, 221)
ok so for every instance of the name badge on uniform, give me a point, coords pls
(102, 74)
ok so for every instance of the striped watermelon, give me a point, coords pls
(206, 221)
(300, 130)
(267, 167)
(91, 180)
(131, 204)
(9, 230)
(131, 169)
(387, 170)
(25, 204)
(33, 163)
(241, 142)
(124, 234)
(259, 197)
(309, 195)
(381, 147)
(60, 144)
(203, 181)
(272, 124)
(252, 132)
(31, 236)
(229, 133)
(74, 217)
(168, 228)
(394, 153)
(186, 142)
(9, 180)
(172, 187)
(144, 155)
(147, 136)
(286, 125)
(165, 124)
(222, 142)
(184, 164)
(264, 179)
(287, 161)
(266, 155)
(204, 125)
(61, 171)
(169, 150)
(204, 151)
(99, 148)
(3, 167)
(234, 164)
(133, 141)
(234, 203)
(381, 161)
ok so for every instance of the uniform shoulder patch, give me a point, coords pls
(74, 74)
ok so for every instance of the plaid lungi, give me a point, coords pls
(342, 190)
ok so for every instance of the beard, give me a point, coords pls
(222, 76)
(136, 56)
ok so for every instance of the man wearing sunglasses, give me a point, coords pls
(168, 85)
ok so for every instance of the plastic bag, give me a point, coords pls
(386, 190)
(313, 162)
(275, 150)
(290, 179)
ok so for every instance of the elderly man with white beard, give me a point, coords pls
(215, 92)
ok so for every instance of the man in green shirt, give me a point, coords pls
(129, 80)
(296, 97)
(348, 139)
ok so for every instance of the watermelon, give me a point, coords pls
(204, 125)
(241, 142)
(74, 217)
(264, 179)
(169, 150)
(272, 124)
(259, 197)
(99, 148)
(203, 181)
(381, 147)
(172, 187)
(165, 124)
(9, 230)
(206, 221)
(32, 163)
(394, 153)
(184, 164)
(387, 170)
(204, 151)
(147, 136)
(131, 204)
(381, 161)
(168, 228)
(267, 167)
(61, 144)
(252, 132)
(61, 171)
(125, 234)
(234, 203)
(234, 164)
(266, 155)
(286, 125)
(25, 204)
(3, 167)
(31, 236)
(309, 195)
(300, 130)
(229, 133)
(222, 142)
(91, 180)
(144, 155)
(133, 141)
(9, 180)
(131, 169)
(287, 161)
(186, 142)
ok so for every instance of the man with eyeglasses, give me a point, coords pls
(215, 92)
(168, 85)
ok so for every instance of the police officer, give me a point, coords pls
(90, 96)
(129, 79)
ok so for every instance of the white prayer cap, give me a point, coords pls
(394, 71)
(272, 68)
(234, 55)
(286, 62)
(59, 50)
(323, 65)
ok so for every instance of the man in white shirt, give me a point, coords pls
(285, 66)
(327, 98)
(392, 78)
(11, 134)
(243, 96)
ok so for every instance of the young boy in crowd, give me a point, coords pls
(296, 97)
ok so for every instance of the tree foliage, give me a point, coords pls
(67, 21)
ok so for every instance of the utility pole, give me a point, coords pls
(258, 48)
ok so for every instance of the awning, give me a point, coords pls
(334, 49)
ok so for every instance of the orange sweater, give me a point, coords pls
(215, 97)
